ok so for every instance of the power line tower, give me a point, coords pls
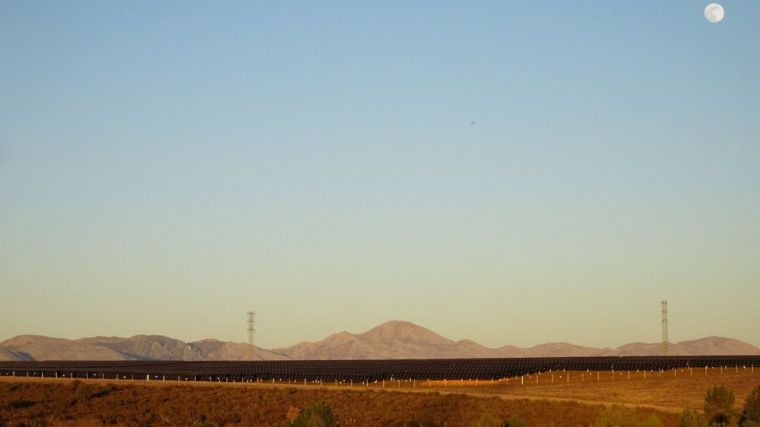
(251, 329)
(664, 349)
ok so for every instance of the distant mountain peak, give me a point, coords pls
(395, 339)
(402, 339)
(399, 329)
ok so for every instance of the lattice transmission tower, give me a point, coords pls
(251, 330)
(664, 349)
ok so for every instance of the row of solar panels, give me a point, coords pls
(361, 370)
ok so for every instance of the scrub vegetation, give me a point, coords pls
(97, 403)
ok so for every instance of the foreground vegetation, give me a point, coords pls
(662, 390)
(96, 404)
(720, 410)
(41, 403)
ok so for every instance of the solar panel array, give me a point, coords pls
(361, 370)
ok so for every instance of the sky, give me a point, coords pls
(508, 172)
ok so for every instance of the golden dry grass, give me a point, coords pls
(674, 389)
(56, 402)
(545, 399)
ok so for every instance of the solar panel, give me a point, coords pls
(363, 370)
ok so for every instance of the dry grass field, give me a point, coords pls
(666, 391)
(540, 400)
(61, 403)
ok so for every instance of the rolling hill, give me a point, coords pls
(36, 347)
(138, 347)
(405, 340)
(390, 340)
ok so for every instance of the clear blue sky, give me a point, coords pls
(510, 172)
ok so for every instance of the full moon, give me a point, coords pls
(714, 13)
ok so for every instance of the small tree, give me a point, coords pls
(691, 418)
(317, 415)
(751, 413)
(719, 406)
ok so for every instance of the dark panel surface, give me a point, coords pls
(361, 370)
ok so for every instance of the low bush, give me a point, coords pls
(82, 392)
(751, 413)
(719, 406)
(620, 416)
(487, 420)
(419, 423)
(515, 421)
(318, 415)
(691, 418)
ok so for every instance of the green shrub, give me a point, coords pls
(82, 391)
(515, 421)
(651, 421)
(620, 416)
(317, 415)
(420, 423)
(203, 422)
(719, 406)
(751, 413)
(691, 418)
(487, 420)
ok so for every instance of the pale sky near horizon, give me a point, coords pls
(508, 172)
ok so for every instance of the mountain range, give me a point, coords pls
(390, 340)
